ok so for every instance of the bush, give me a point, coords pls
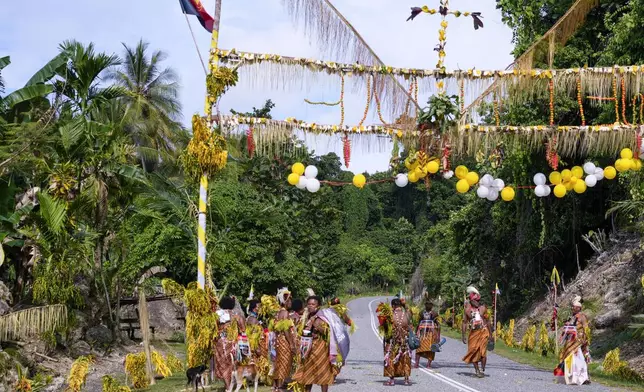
(509, 335)
(528, 341)
(613, 366)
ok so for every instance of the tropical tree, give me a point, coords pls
(152, 97)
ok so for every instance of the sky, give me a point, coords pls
(32, 38)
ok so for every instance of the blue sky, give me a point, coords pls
(31, 39)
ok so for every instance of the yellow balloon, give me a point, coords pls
(293, 178)
(559, 191)
(580, 187)
(472, 178)
(638, 164)
(626, 153)
(555, 178)
(565, 175)
(407, 164)
(507, 193)
(462, 186)
(432, 167)
(569, 185)
(578, 171)
(574, 179)
(420, 173)
(412, 176)
(632, 164)
(622, 165)
(461, 171)
(609, 172)
(297, 168)
(359, 180)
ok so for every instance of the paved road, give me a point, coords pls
(363, 371)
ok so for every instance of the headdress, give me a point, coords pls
(473, 293)
(576, 301)
(310, 292)
(282, 295)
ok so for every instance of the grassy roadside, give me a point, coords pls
(549, 363)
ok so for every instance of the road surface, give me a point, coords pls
(363, 371)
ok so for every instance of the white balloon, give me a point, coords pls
(548, 190)
(301, 184)
(591, 181)
(498, 184)
(599, 173)
(483, 191)
(539, 179)
(493, 194)
(448, 174)
(312, 185)
(486, 180)
(589, 168)
(540, 190)
(402, 180)
(311, 172)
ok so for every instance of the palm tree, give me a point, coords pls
(152, 99)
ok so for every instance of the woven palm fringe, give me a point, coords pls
(32, 322)
(569, 143)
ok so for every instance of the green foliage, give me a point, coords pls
(442, 113)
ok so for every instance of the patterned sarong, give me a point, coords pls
(316, 369)
(224, 351)
(397, 361)
(428, 334)
(283, 359)
(477, 345)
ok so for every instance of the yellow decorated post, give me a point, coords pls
(201, 232)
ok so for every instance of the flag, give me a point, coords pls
(194, 7)
(251, 294)
(496, 290)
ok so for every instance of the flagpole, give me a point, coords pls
(554, 305)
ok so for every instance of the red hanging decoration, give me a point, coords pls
(638, 144)
(551, 153)
(445, 158)
(250, 142)
(347, 150)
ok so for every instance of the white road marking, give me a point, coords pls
(438, 376)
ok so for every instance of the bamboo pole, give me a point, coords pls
(145, 333)
(556, 322)
(496, 290)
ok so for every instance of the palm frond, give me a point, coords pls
(4, 61)
(50, 70)
(53, 211)
(26, 94)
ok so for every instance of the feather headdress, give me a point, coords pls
(282, 295)
(310, 292)
(576, 301)
(472, 290)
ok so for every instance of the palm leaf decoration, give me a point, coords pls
(54, 212)
(30, 322)
(335, 36)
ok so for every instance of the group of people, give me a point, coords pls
(294, 344)
(403, 332)
(303, 343)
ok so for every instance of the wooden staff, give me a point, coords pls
(496, 290)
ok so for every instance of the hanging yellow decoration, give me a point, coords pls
(578, 171)
(298, 168)
(566, 175)
(206, 152)
(293, 178)
(622, 165)
(626, 153)
(462, 186)
(472, 178)
(508, 193)
(413, 177)
(555, 178)
(638, 164)
(433, 166)
(359, 181)
(609, 172)
(560, 191)
(580, 187)
(461, 171)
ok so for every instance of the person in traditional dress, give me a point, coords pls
(297, 310)
(396, 347)
(284, 341)
(343, 312)
(257, 340)
(574, 356)
(428, 333)
(315, 366)
(230, 325)
(476, 319)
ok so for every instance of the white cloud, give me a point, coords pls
(253, 25)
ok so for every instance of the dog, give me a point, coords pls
(195, 376)
(241, 373)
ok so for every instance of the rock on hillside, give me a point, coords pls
(611, 290)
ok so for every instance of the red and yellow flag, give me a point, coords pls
(194, 7)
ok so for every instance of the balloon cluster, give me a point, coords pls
(627, 162)
(573, 179)
(419, 166)
(490, 188)
(304, 178)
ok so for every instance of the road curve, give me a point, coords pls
(363, 371)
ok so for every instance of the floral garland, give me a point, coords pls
(233, 55)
